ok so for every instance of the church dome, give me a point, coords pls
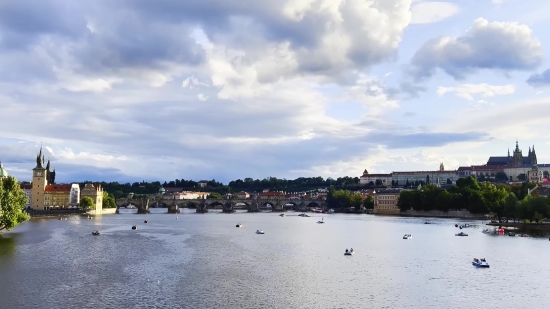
(3, 172)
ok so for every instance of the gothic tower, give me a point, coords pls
(39, 182)
(50, 175)
(518, 156)
(441, 167)
(533, 156)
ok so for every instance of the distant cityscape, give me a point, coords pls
(43, 193)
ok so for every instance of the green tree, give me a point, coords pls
(368, 203)
(501, 177)
(511, 206)
(12, 204)
(214, 195)
(108, 200)
(355, 201)
(494, 198)
(86, 202)
(378, 182)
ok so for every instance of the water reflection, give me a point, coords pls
(7, 244)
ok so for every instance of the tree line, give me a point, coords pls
(512, 201)
(301, 184)
(345, 199)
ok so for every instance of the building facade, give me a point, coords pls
(27, 188)
(385, 201)
(74, 198)
(39, 183)
(57, 196)
(383, 179)
(95, 192)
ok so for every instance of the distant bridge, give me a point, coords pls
(228, 205)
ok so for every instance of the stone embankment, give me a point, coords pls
(54, 213)
(463, 214)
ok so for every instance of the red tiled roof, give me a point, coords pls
(272, 194)
(376, 175)
(422, 172)
(58, 188)
(27, 186)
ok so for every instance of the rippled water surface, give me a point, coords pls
(204, 261)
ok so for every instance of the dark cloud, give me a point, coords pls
(496, 45)
(539, 80)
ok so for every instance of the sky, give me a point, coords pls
(228, 89)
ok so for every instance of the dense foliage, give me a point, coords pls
(503, 200)
(86, 202)
(108, 200)
(345, 199)
(121, 190)
(12, 204)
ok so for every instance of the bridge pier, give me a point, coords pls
(173, 209)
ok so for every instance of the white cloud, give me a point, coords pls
(431, 12)
(503, 46)
(497, 1)
(202, 97)
(466, 91)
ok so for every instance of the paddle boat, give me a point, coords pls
(239, 225)
(134, 227)
(461, 234)
(259, 232)
(95, 233)
(349, 252)
(407, 236)
(481, 263)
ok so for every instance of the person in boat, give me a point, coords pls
(351, 250)
(347, 251)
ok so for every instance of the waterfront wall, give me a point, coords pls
(442, 214)
(104, 211)
(54, 213)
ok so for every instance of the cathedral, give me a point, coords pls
(516, 159)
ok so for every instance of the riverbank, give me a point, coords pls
(54, 213)
(458, 214)
(523, 226)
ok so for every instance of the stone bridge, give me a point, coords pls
(228, 205)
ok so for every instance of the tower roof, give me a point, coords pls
(3, 172)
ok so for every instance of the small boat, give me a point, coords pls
(426, 222)
(349, 252)
(281, 215)
(461, 234)
(407, 236)
(259, 232)
(481, 263)
(145, 221)
(239, 225)
(95, 233)
(322, 220)
(511, 234)
(134, 227)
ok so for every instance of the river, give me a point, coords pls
(203, 261)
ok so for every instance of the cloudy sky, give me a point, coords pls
(136, 90)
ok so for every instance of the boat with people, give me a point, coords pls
(426, 222)
(281, 215)
(461, 234)
(134, 227)
(95, 232)
(259, 232)
(481, 263)
(349, 252)
(407, 236)
(239, 225)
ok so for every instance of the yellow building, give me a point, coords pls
(96, 193)
(57, 196)
(39, 183)
(385, 202)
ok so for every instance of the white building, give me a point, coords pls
(74, 195)
(384, 179)
(203, 183)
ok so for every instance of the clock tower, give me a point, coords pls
(39, 182)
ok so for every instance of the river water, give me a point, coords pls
(203, 261)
